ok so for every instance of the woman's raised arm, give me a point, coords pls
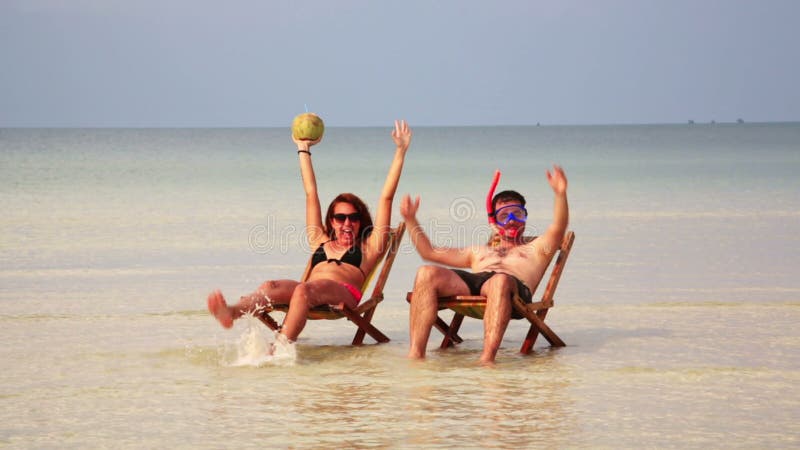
(314, 227)
(401, 135)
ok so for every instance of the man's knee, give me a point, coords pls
(428, 276)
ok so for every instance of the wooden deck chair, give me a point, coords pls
(475, 305)
(361, 316)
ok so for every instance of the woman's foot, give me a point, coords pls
(283, 347)
(219, 309)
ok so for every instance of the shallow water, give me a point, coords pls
(671, 375)
(679, 303)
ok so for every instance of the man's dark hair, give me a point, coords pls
(507, 196)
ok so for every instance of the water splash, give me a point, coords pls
(258, 346)
(283, 350)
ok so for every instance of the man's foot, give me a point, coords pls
(487, 362)
(488, 359)
(415, 355)
(219, 309)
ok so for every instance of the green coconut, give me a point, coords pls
(307, 127)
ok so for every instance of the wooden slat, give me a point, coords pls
(368, 309)
(452, 331)
(364, 326)
(395, 236)
(539, 314)
(555, 276)
(442, 326)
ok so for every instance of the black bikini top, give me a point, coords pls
(352, 256)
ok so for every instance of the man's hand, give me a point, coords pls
(408, 208)
(557, 180)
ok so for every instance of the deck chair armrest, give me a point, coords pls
(542, 304)
(369, 304)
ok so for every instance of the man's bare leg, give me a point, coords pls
(430, 283)
(498, 291)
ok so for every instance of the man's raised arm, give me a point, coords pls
(555, 232)
(456, 257)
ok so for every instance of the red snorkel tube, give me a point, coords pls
(489, 206)
(511, 232)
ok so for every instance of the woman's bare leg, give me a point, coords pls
(273, 291)
(308, 295)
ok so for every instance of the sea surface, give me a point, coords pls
(680, 304)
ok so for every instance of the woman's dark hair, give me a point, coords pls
(507, 196)
(361, 209)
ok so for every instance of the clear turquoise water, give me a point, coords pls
(679, 304)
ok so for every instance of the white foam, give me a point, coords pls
(257, 346)
(283, 350)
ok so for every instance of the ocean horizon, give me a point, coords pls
(329, 126)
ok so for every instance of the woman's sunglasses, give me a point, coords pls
(354, 217)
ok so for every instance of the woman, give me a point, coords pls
(348, 245)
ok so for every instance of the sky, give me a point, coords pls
(249, 63)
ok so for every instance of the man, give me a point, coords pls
(507, 264)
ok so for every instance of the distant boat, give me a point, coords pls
(691, 122)
(739, 121)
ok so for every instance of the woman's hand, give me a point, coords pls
(401, 134)
(305, 144)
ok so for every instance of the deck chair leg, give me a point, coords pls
(363, 324)
(537, 326)
(358, 339)
(547, 332)
(442, 326)
(530, 340)
(452, 332)
(267, 320)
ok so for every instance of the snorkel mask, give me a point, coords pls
(504, 215)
